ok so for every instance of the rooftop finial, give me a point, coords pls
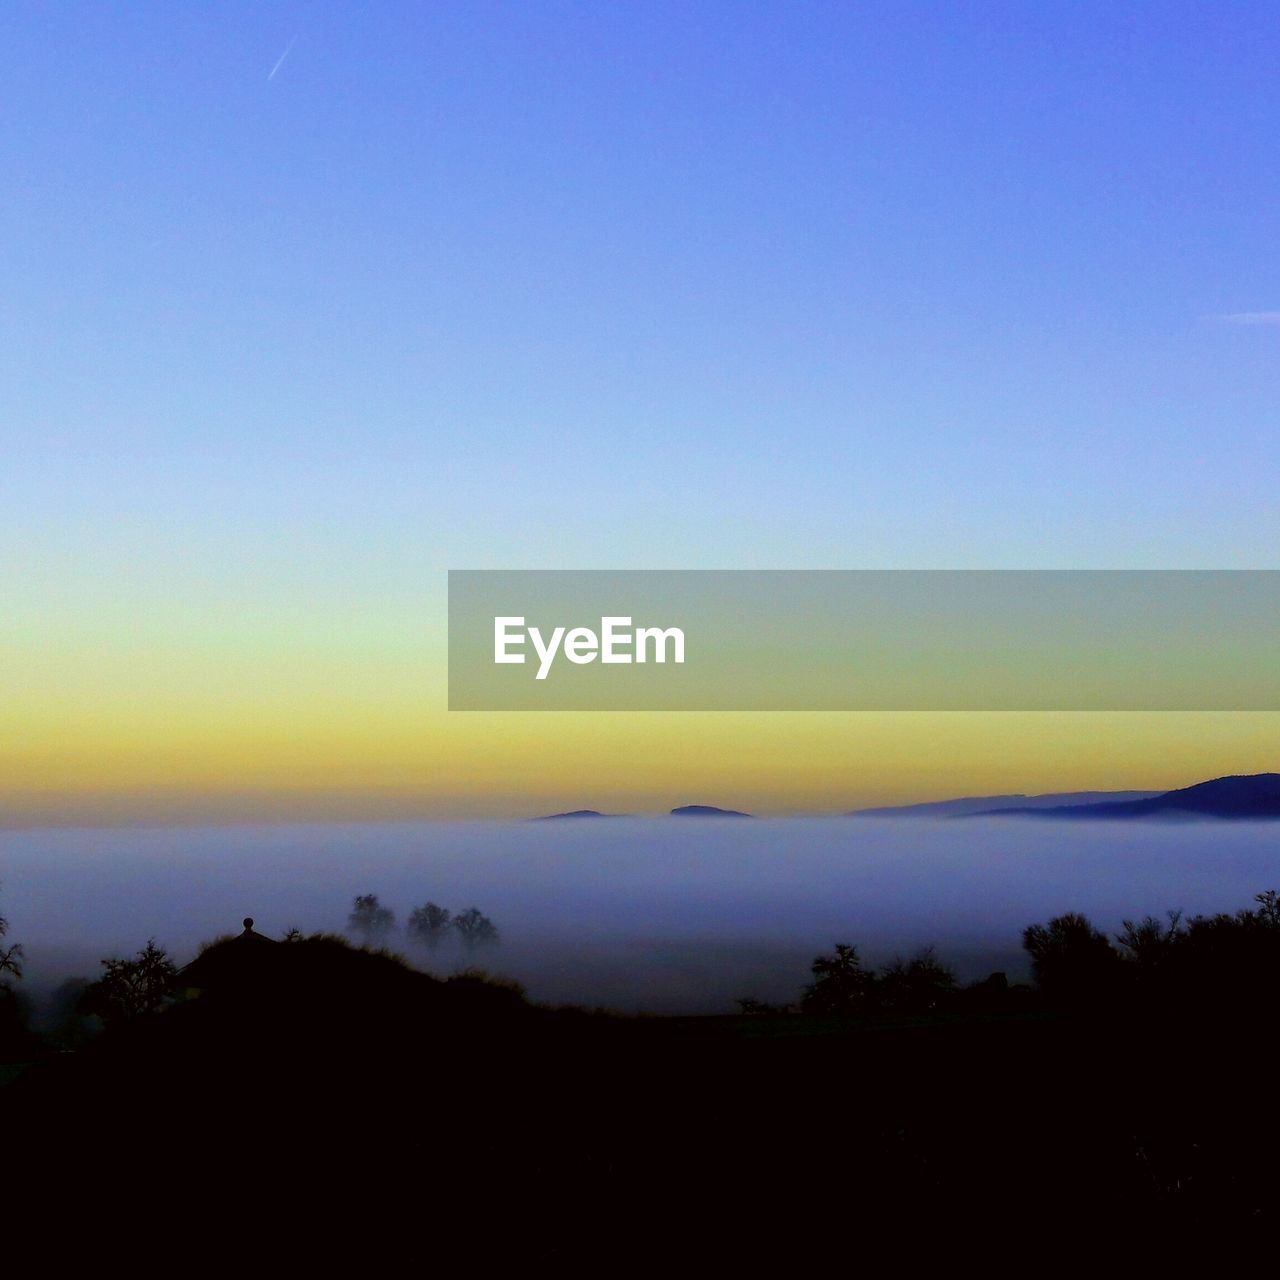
(248, 924)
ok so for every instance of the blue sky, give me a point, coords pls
(683, 285)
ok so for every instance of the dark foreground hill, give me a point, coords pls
(337, 1100)
(1242, 797)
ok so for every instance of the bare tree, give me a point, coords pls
(1071, 959)
(130, 988)
(840, 983)
(1268, 912)
(475, 929)
(430, 924)
(917, 984)
(11, 956)
(370, 918)
(1149, 940)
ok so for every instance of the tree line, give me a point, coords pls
(1224, 960)
(429, 925)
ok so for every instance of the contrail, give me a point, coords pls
(283, 56)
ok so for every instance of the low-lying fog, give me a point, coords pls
(656, 914)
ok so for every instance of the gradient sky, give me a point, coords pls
(584, 286)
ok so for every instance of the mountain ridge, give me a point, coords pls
(964, 806)
(1237, 796)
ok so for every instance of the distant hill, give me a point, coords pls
(969, 805)
(575, 813)
(706, 811)
(1240, 797)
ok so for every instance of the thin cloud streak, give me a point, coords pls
(282, 57)
(1249, 318)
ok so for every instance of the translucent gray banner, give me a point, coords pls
(864, 640)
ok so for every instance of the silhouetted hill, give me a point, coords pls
(969, 805)
(706, 811)
(1240, 797)
(292, 1083)
(323, 983)
(575, 813)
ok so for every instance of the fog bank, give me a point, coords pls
(637, 914)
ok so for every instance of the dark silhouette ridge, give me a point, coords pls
(322, 993)
(1240, 797)
(1127, 1091)
(706, 811)
(576, 813)
(965, 806)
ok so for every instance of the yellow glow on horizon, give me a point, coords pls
(211, 714)
(332, 758)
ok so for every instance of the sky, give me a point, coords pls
(304, 305)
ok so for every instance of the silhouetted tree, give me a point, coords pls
(10, 957)
(13, 1007)
(917, 984)
(131, 988)
(475, 928)
(430, 924)
(292, 934)
(1150, 941)
(840, 985)
(1232, 959)
(1268, 912)
(370, 919)
(1071, 959)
